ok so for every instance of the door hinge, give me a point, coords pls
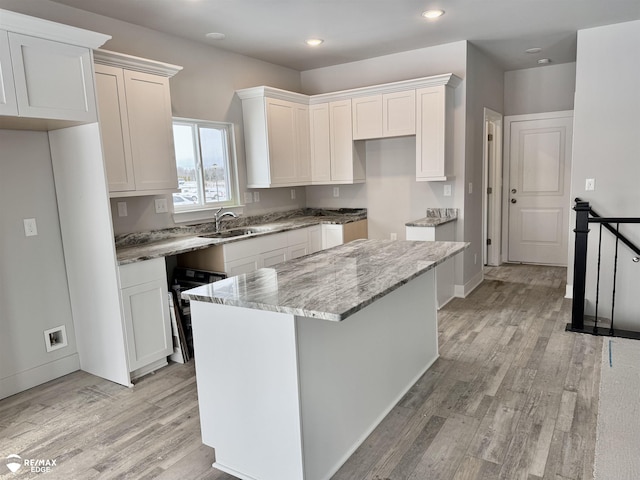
(490, 137)
(489, 190)
(488, 241)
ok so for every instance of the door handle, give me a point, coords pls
(513, 200)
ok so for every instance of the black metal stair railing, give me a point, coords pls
(584, 216)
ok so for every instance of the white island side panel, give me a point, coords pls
(352, 373)
(247, 378)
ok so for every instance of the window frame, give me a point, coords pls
(231, 162)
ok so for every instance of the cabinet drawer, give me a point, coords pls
(254, 246)
(300, 235)
(142, 272)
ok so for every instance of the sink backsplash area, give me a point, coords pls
(137, 238)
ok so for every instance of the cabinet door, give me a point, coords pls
(270, 259)
(303, 166)
(151, 131)
(367, 117)
(341, 135)
(315, 239)
(430, 133)
(8, 105)
(242, 265)
(331, 236)
(282, 138)
(296, 251)
(399, 114)
(114, 128)
(52, 80)
(147, 323)
(320, 143)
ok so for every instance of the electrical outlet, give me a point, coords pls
(590, 184)
(293, 194)
(470, 188)
(394, 236)
(161, 205)
(122, 209)
(30, 227)
(256, 197)
(447, 190)
(475, 258)
(336, 192)
(248, 197)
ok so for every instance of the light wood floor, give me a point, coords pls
(512, 396)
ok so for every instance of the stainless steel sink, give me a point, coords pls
(235, 232)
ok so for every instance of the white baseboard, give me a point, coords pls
(36, 376)
(569, 292)
(461, 291)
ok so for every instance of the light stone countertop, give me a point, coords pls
(147, 245)
(435, 217)
(331, 284)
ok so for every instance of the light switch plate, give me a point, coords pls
(30, 227)
(293, 194)
(256, 197)
(336, 192)
(161, 205)
(447, 190)
(470, 188)
(122, 209)
(248, 197)
(590, 184)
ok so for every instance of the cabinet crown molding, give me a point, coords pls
(37, 27)
(271, 92)
(138, 64)
(447, 79)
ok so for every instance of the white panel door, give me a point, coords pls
(540, 170)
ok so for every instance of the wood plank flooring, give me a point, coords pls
(512, 396)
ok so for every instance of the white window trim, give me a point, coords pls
(207, 212)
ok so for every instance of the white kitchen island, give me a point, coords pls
(297, 364)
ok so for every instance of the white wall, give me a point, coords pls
(34, 295)
(539, 89)
(391, 192)
(484, 89)
(605, 147)
(204, 89)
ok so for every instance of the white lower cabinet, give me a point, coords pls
(248, 255)
(445, 272)
(143, 290)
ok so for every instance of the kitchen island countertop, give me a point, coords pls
(331, 284)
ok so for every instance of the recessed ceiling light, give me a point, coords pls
(314, 42)
(215, 36)
(544, 61)
(433, 14)
(533, 50)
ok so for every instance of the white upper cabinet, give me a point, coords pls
(276, 133)
(320, 143)
(347, 158)
(384, 115)
(136, 124)
(434, 133)
(399, 114)
(8, 104)
(367, 117)
(46, 70)
(335, 158)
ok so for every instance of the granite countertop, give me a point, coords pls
(331, 284)
(435, 217)
(137, 247)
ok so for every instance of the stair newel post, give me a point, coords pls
(580, 264)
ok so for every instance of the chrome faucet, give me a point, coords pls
(219, 216)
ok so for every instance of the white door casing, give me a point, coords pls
(538, 159)
(492, 187)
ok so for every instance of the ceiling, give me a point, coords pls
(275, 30)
